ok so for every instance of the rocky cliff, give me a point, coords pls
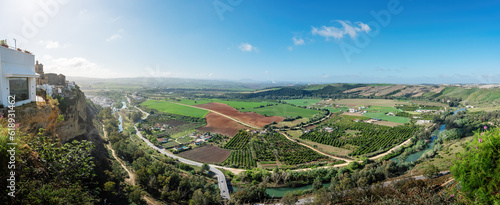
(67, 118)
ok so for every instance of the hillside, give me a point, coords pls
(467, 94)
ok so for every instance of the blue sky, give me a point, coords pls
(292, 41)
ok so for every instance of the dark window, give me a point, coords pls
(19, 88)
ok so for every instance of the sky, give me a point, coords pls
(386, 41)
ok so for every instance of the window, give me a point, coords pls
(19, 88)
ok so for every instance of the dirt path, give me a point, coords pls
(320, 152)
(151, 201)
(234, 119)
(131, 179)
(131, 176)
(389, 151)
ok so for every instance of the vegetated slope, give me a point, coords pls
(472, 94)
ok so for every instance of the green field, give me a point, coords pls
(303, 102)
(383, 109)
(173, 108)
(235, 104)
(332, 109)
(389, 118)
(283, 110)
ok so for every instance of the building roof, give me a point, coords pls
(12, 71)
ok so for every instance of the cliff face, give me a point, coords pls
(77, 118)
(76, 125)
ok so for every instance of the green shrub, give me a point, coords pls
(478, 168)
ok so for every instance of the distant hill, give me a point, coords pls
(467, 94)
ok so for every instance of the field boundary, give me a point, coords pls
(236, 120)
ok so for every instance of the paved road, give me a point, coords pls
(221, 179)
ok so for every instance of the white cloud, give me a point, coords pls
(114, 37)
(77, 66)
(246, 47)
(115, 19)
(347, 28)
(50, 44)
(298, 41)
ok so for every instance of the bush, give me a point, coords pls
(478, 168)
(431, 171)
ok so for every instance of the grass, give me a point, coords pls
(232, 103)
(332, 109)
(389, 118)
(169, 144)
(369, 102)
(383, 109)
(169, 107)
(184, 140)
(283, 110)
(444, 158)
(303, 102)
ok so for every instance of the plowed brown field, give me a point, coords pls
(221, 125)
(206, 154)
(250, 118)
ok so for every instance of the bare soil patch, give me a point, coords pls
(362, 89)
(352, 114)
(207, 154)
(387, 123)
(389, 90)
(221, 125)
(246, 117)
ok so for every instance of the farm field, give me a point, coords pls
(173, 108)
(206, 154)
(368, 102)
(383, 109)
(336, 151)
(363, 138)
(389, 118)
(334, 110)
(284, 110)
(246, 117)
(232, 103)
(221, 125)
(303, 102)
(248, 149)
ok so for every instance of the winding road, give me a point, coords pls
(221, 178)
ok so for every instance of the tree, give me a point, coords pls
(431, 171)
(198, 198)
(317, 183)
(204, 168)
(109, 187)
(288, 199)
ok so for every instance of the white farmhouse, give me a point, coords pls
(17, 76)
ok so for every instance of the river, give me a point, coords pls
(281, 191)
(415, 156)
(120, 126)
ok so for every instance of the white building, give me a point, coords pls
(17, 76)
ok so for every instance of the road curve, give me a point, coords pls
(221, 178)
(320, 152)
